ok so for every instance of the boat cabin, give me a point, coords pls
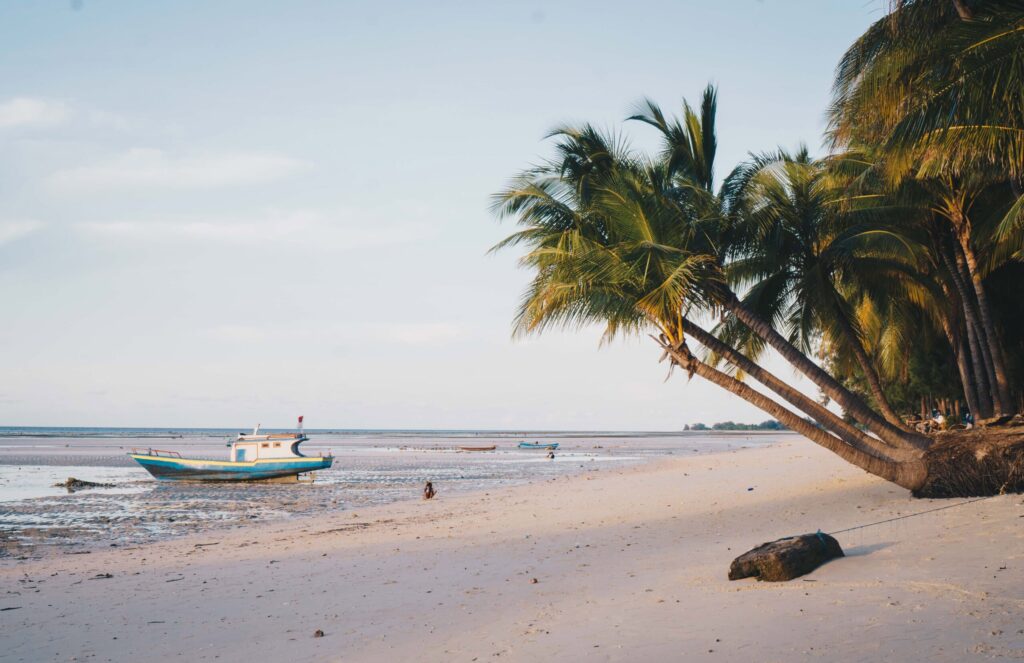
(248, 448)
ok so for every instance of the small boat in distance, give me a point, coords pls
(254, 457)
(490, 448)
(538, 445)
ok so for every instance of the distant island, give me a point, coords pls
(770, 424)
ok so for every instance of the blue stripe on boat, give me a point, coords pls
(197, 469)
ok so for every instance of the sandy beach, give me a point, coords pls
(624, 564)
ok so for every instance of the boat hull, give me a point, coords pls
(197, 469)
(527, 445)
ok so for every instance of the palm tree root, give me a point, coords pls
(975, 463)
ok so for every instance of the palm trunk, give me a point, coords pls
(828, 420)
(870, 374)
(978, 363)
(853, 405)
(1002, 385)
(962, 356)
(984, 349)
(970, 393)
(908, 474)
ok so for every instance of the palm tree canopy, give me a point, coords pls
(798, 251)
(941, 90)
(603, 244)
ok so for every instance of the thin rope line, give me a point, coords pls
(911, 515)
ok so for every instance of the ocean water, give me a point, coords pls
(370, 467)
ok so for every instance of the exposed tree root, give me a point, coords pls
(975, 463)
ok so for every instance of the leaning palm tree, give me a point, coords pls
(643, 245)
(618, 253)
(687, 158)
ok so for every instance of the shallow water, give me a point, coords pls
(370, 467)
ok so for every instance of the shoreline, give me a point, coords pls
(630, 564)
(38, 519)
(117, 432)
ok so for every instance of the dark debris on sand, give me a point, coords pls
(72, 484)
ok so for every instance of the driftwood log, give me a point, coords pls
(786, 558)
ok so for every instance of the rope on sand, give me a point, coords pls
(911, 515)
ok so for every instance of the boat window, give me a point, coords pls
(277, 444)
(265, 445)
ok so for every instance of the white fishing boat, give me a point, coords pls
(254, 456)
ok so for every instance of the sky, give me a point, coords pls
(223, 213)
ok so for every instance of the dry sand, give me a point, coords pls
(630, 565)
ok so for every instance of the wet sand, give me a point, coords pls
(369, 469)
(624, 564)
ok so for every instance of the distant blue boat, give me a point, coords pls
(538, 445)
(254, 457)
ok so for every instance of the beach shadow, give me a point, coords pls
(859, 551)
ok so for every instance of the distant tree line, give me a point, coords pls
(770, 424)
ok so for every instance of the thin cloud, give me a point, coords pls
(313, 229)
(11, 231)
(145, 168)
(30, 112)
(424, 333)
(415, 334)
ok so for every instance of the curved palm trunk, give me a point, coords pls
(908, 474)
(827, 419)
(874, 384)
(853, 405)
(1002, 385)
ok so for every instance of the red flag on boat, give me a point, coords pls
(300, 418)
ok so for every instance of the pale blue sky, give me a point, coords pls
(217, 213)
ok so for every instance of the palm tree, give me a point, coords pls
(687, 164)
(923, 209)
(899, 231)
(935, 87)
(939, 275)
(798, 248)
(619, 240)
